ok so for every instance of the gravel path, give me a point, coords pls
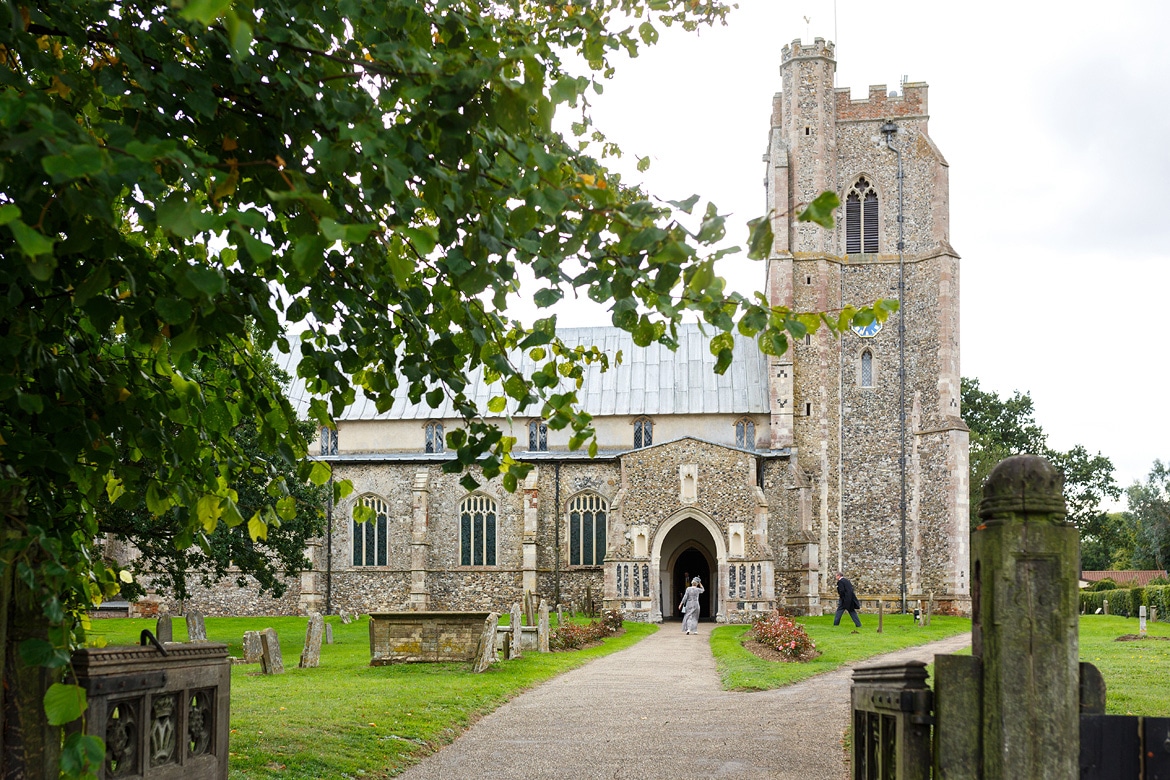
(656, 710)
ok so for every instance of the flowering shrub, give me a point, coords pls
(572, 636)
(783, 634)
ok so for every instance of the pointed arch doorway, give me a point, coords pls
(688, 543)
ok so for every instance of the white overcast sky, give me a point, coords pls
(1055, 119)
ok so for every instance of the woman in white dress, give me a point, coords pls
(690, 607)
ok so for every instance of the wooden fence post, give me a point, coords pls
(1024, 623)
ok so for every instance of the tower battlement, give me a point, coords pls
(798, 50)
(880, 104)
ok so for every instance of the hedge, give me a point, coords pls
(1127, 601)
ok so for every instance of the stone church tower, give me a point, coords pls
(879, 452)
(844, 454)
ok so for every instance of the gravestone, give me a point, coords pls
(542, 627)
(1142, 621)
(514, 649)
(1153, 614)
(253, 647)
(271, 661)
(487, 643)
(163, 630)
(311, 654)
(345, 619)
(328, 633)
(929, 602)
(1105, 605)
(881, 614)
(560, 616)
(196, 632)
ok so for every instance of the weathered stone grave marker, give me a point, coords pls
(1105, 605)
(345, 619)
(271, 661)
(311, 654)
(196, 632)
(253, 647)
(1153, 614)
(163, 630)
(560, 616)
(1142, 621)
(487, 643)
(515, 650)
(328, 633)
(881, 614)
(542, 628)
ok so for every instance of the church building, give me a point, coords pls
(844, 454)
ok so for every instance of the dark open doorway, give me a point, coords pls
(690, 564)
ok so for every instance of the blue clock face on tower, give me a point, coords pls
(867, 331)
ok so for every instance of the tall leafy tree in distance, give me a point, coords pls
(1149, 508)
(1003, 427)
(181, 181)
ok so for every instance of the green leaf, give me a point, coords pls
(209, 281)
(760, 238)
(231, 514)
(32, 243)
(497, 404)
(287, 508)
(208, 510)
(82, 755)
(64, 703)
(320, 473)
(821, 210)
(239, 33)
(81, 160)
(648, 33)
(157, 501)
(205, 11)
(9, 212)
(256, 528)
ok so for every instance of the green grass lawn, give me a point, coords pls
(346, 718)
(741, 670)
(1135, 672)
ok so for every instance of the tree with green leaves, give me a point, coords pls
(1003, 427)
(1149, 506)
(182, 184)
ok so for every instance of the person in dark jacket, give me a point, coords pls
(847, 601)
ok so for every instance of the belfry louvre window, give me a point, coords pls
(643, 432)
(861, 218)
(745, 433)
(477, 531)
(538, 436)
(587, 530)
(369, 538)
(434, 437)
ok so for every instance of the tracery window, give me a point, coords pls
(328, 441)
(745, 433)
(861, 218)
(434, 436)
(867, 369)
(643, 432)
(587, 522)
(477, 531)
(538, 436)
(370, 540)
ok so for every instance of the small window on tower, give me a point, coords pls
(867, 369)
(808, 280)
(808, 131)
(538, 436)
(434, 436)
(808, 410)
(643, 432)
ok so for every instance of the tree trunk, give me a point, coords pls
(31, 746)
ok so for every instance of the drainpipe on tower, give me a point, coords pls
(888, 129)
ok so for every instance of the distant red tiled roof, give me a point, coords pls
(1131, 577)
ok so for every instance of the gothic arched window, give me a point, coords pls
(643, 432)
(861, 218)
(745, 433)
(587, 530)
(537, 436)
(477, 531)
(434, 436)
(867, 369)
(370, 538)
